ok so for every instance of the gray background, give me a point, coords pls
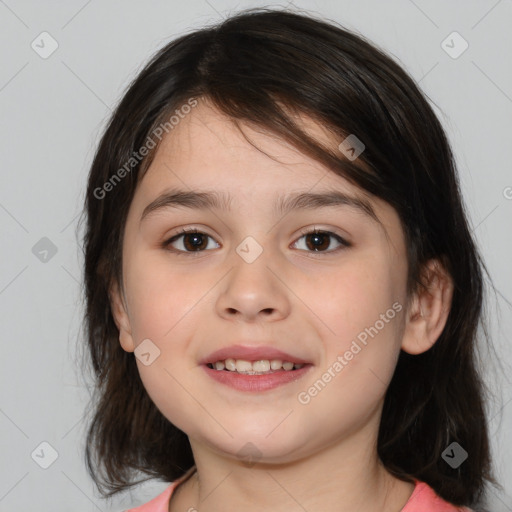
(53, 110)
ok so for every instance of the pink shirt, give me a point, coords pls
(423, 499)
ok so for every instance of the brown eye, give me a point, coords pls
(192, 241)
(320, 241)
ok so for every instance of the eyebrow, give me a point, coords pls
(205, 200)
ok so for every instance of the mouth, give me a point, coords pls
(254, 369)
(259, 367)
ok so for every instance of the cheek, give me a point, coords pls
(353, 296)
(165, 306)
(170, 385)
(162, 296)
(361, 317)
(361, 347)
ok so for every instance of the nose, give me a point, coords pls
(253, 291)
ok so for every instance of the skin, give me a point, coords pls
(316, 456)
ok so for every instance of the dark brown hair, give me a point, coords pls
(261, 66)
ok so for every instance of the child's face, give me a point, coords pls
(310, 304)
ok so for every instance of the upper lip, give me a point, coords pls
(251, 353)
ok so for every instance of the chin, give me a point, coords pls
(261, 448)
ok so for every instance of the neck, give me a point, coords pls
(335, 478)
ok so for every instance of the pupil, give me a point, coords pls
(316, 237)
(195, 236)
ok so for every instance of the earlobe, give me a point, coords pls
(431, 304)
(121, 318)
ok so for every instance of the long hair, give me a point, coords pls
(261, 67)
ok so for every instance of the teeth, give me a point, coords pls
(230, 364)
(259, 366)
(243, 366)
(255, 367)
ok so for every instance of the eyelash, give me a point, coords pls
(185, 231)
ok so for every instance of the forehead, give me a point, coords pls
(206, 150)
(206, 147)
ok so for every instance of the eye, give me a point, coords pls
(319, 240)
(193, 241)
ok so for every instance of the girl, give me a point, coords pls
(282, 290)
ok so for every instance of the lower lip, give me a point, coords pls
(256, 382)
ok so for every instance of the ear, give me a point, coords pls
(430, 306)
(121, 318)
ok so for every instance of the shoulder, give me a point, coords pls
(161, 502)
(425, 499)
(158, 504)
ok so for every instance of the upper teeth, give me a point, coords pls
(263, 365)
